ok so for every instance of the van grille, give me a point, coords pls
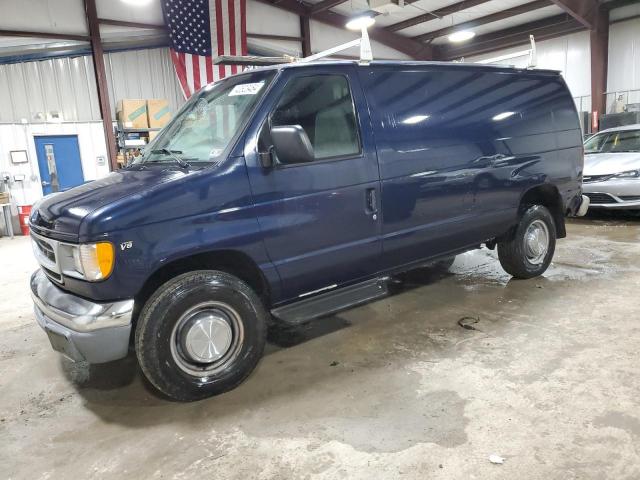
(629, 198)
(52, 275)
(600, 198)
(46, 252)
(45, 249)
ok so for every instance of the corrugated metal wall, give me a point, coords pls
(35, 90)
(143, 74)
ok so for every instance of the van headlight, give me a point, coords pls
(628, 174)
(91, 261)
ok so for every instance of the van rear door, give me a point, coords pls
(319, 219)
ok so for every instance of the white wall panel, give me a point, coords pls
(61, 16)
(624, 56)
(324, 36)
(265, 19)
(569, 54)
(145, 12)
(21, 137)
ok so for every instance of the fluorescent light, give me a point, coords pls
(415, 119)
(358, 23)
(502, 116)
(461, 36)
(137, 3)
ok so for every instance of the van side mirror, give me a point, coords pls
(292, 144)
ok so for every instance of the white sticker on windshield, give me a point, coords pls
(246, 89)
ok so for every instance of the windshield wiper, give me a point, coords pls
(173, 154)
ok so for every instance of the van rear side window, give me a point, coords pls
(323, 107)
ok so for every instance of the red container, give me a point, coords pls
(24, 213)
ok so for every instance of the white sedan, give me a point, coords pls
(611, 176)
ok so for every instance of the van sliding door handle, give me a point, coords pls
(372, 201)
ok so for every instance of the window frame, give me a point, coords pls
(267, 122)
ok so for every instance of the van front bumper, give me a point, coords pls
(78, 328)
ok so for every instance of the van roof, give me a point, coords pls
(412, 63)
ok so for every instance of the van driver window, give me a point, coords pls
(323, 107)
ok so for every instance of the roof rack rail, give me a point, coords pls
(363, 42)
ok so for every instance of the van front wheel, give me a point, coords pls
(529, 253)
(200, 334)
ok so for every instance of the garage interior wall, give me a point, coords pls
(624, 59)
(36, 91)
(58, 96)
(17, 136)
(571, 55)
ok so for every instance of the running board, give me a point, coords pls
(331, 302)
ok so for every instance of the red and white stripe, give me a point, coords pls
(228, 37)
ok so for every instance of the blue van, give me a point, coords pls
(291, 192)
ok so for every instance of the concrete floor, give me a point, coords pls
(548, 379)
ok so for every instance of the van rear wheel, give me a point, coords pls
(200, 335)
(530, 251)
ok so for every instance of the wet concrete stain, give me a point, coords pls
(620, 420)
(383, 420)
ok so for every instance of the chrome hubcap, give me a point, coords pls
(536, 242)
(208, 338)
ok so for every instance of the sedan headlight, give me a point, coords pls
(91, 261)
(628, 174)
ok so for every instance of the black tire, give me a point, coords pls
(513, 253)
(160, 334)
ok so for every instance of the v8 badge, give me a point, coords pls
(126, 245)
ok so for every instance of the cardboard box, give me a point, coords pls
(4, 197)
(152, 135)
(158, 112)
(132, 113)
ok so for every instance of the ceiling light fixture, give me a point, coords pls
(361, 22)
(137, 3)
(461, 36)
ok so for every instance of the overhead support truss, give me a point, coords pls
(494, 17)
(408, 46)
(544, 29)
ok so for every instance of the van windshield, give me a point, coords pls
(202, 129)
(621, 141)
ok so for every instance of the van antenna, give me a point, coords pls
(533, 55)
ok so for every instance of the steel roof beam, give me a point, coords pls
(494, 17)
(439, 13)
(584, 11)
(413, 49)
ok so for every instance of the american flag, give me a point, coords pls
(201, 30)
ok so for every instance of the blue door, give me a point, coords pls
(319, 219)
(59, 162)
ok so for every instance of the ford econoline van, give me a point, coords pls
(291, 192)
